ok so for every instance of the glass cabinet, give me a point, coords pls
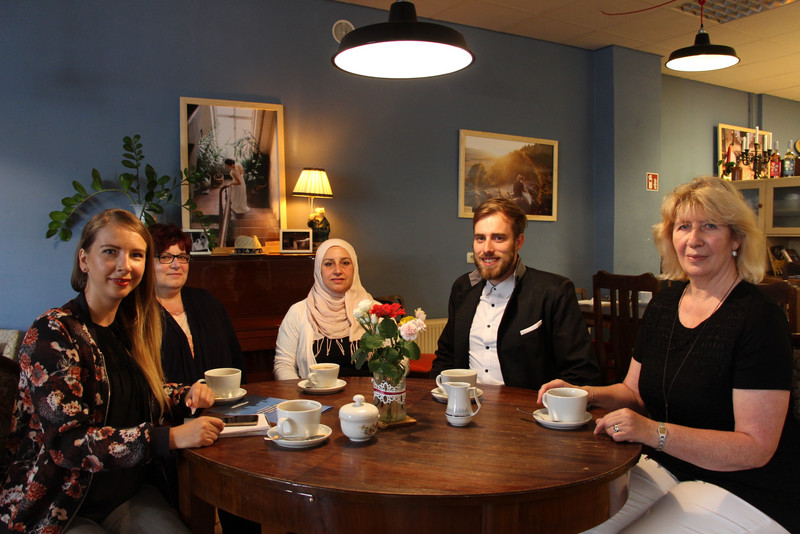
(776, 202)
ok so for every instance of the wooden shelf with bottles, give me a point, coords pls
(777, 205)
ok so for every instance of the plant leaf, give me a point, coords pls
(388, 328)
(58, 216)
(79, 187)
(65, 234)
(97, 182)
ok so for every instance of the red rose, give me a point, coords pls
(387, 310)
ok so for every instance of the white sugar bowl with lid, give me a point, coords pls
(359, 419)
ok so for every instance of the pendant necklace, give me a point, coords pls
(666, 391)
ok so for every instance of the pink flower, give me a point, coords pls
(409, 330)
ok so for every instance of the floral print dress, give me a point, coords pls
(58, 438)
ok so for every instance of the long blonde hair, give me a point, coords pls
(722, 204)
(138, 312)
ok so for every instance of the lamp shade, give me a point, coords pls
(702, 56)
(313, 183)
(403, 48)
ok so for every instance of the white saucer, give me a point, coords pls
(306, 386)
(441, 396)
(543, 418)
(325, 430)
(227, 400)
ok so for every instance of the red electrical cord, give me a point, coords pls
(649, 8)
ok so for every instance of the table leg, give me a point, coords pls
(195, 512)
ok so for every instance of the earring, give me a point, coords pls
(735, 253)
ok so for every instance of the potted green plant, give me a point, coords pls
(147, 192)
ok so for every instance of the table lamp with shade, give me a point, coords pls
(314, 183)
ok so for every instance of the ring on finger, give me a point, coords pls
(616, 428)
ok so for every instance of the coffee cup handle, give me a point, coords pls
(279, 425)
(312, 379)
(439, 383)
(474, 391)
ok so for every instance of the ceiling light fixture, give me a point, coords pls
(403, 47)
(702, 55)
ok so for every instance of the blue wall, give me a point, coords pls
(80, 76)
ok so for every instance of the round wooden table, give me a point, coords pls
(503, 473)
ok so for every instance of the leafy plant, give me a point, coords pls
(143, 187)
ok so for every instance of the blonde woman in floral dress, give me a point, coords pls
(91, 395)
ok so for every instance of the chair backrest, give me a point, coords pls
(794, 407)
(785, 294)
(616, 326)
(9, 387)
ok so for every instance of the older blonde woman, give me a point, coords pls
(707, 392)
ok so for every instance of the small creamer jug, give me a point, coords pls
(459, 407)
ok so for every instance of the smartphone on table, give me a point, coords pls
(240, 420)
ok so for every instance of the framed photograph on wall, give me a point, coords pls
(296, 242)
(238, 149)
(523, 169)
(739, 138)
(200, 243)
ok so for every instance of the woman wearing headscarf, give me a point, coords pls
(322, 327)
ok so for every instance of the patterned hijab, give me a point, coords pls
(331, 314)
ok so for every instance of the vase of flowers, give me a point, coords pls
(385, 347)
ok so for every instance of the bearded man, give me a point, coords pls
(513, 324)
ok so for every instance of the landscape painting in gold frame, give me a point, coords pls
(247, 197)
(523, 169)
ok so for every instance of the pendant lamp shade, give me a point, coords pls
(702, 56)
(403, 48)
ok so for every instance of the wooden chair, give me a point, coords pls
(785, 294)
(795, 405)
(617, 325)
(9, 392)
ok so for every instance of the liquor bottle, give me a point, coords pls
(775, 162)
(787, 165)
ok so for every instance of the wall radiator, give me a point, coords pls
(429, 339)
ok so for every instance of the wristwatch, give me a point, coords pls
(662, 436)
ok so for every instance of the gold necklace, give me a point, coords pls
(664, 389)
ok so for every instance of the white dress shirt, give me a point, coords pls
(483, 333)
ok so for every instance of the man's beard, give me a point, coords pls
(500, 269)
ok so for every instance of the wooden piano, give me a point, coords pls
(257, 291)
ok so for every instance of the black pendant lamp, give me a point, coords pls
(403, 48)
(702, 55)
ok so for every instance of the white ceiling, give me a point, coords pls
(767, 42)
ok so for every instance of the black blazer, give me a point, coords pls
(542, 335)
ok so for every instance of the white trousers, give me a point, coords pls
(657, 503)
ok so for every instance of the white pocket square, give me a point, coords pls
(531, 328)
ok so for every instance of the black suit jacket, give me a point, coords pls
(542, 335)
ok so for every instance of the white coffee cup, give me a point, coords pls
(469, 376)
(567, 405)
(298, 418)
(323, 375)
(225, 381)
